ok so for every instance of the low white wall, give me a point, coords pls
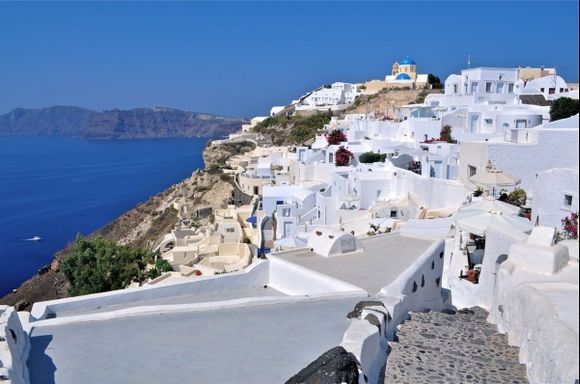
(254, 275)
(14, 347)
(367, 341)
(548, 346)
(497, 245)
(292, 279)
(419, 287)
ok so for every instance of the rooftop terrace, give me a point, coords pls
(258, 343)
(384, 258)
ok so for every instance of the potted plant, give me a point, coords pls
(478, 192)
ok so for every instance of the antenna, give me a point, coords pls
(469, 60)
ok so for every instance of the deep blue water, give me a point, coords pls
(56, 187)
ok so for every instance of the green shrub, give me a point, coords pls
(371, 157)
(100, 265)
(563, 108)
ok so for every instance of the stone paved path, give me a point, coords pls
(462, 348)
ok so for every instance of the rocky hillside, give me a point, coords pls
(385, 102)
(290, 128)
(137, 123)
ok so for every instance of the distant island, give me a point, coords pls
(138, 123)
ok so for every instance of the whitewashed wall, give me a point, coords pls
(548, 206)
(293, 279)
(14, 347)
(497, 245)
(254, 275)
(555, 148)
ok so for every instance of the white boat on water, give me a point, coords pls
(36, 238)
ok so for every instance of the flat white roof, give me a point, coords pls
(261, 344)
(384, 258)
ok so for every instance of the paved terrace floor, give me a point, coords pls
(193, 298)
(384, 259)
(264, 344)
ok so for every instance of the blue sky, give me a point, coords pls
(240, 58)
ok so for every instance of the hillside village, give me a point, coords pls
(340, 237)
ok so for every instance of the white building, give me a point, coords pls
(335, 97)
(523, 152)
(552, 87)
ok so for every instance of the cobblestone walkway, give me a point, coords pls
(462, 348)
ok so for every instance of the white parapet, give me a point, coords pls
(14, 348)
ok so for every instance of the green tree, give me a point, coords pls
(100, 265)
(434, 81)
(564, 107)
(445, 135)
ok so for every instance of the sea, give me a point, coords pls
(55, 188)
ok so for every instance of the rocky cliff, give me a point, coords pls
(137, 123)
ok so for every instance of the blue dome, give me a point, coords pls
(407, 61)
(403, 76)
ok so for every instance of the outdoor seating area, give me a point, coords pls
(474, 250)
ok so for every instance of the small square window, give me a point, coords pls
(472, 170)
(488, 87)
(568, 200)
(393, 214)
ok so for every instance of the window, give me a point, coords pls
(511, 88)
(521, 123)
(474, 87)
(230, 230)
(551, 91)
(499, 88)
(393, 214)
(286, 212)
(542, 90)
(568, 200)
(561, 90)
(488, 87)
(454, 88)
(488, 121)
(471, 170)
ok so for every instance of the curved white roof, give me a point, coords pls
(331, 242)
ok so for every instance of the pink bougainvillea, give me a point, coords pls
(342, 157)
(570, 225)
(335, 137)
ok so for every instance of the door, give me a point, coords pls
(287, 228)
(474, 122)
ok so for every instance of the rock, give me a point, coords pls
(336, 366)
(373, 320)
(21, 305)
(361, 305)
